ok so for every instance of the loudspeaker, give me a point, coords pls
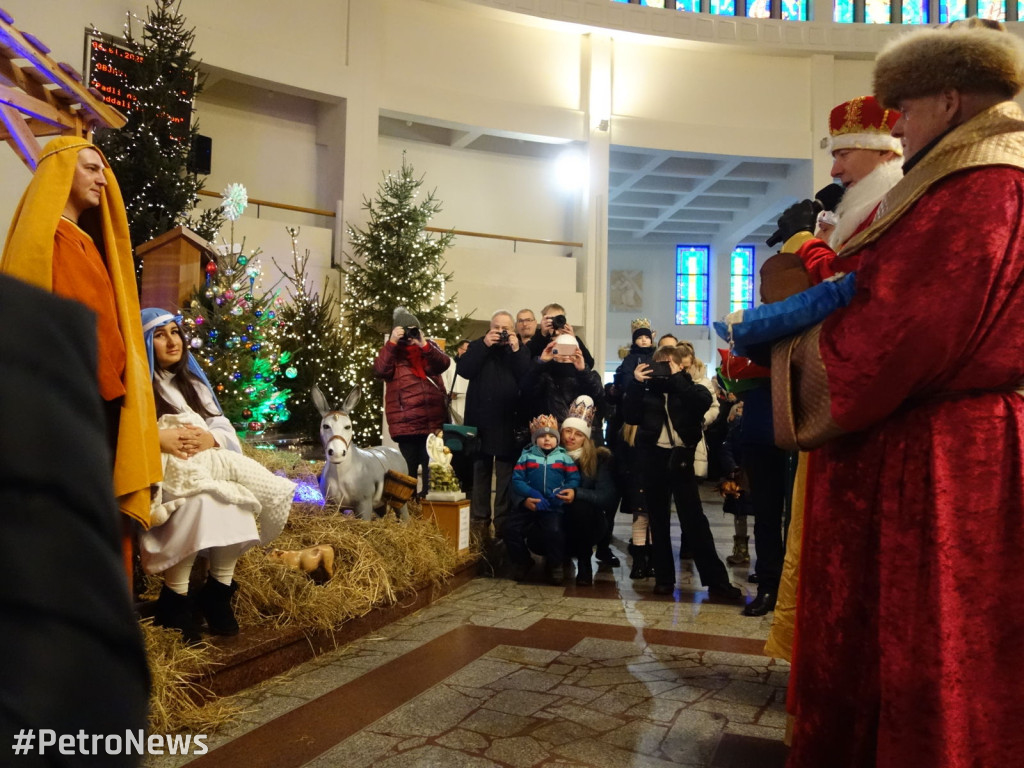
(200, 154)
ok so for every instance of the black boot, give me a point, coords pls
(640, 569)
(649, 554)
(605, 556)
(584, 572)
(214, 600)
(176, 611)
(763, 603)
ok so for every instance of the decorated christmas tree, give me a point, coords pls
(395, 262)
(312, 335)
(235, 332)
(150, 154)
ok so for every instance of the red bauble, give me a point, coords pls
(211, 267)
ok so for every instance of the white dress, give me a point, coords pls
(214, 498)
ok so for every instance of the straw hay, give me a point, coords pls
(375, 563)
(178, 701)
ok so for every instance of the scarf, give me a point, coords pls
(414, 354)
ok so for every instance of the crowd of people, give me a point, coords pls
(558, 454)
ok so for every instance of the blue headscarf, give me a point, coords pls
(153, 318)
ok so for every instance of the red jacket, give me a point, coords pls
(413, 405)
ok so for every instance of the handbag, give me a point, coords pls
(461, 439)
(801, 403)
(453, 415)
(679, 456)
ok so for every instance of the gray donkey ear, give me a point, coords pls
(351, 400)
(320, 401)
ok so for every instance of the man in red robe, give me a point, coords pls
(908, 639)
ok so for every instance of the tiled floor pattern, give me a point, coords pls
(506, 674)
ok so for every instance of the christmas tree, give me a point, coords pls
(312, 335)
(235, 333)
(150, 154)
(396, 262)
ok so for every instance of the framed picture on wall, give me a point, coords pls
(626, 290)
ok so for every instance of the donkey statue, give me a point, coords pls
(353, 476)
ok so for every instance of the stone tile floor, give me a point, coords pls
(529, 675)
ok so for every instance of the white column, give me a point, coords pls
(592, 276)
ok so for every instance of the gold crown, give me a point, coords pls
(542, 423)
(640, 322)
(582, 408)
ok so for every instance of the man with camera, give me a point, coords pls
(494, 365)
(552, 325)
(526, 325)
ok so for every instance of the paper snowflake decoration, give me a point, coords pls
(233, 201)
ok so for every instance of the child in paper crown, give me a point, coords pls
(544, 471)
(544, 468)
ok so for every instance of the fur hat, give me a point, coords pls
(641, 327)
(581, 414)
(862, 123)
(972, 58)
(543, 425)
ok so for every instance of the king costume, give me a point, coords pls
(96, 269)
(908, 639)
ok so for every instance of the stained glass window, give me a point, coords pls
(877, 11)
(843, 13)
(693, 6)
(952, 10)
(741, 278)
(794, 10)
(653, 3)
(992, 9)
(759, 9)
(723, 7)
(915, 11)
(692, 284)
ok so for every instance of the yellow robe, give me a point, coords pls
(28, 255)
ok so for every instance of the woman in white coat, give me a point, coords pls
(211, 495)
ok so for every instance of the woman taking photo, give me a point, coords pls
(211, 495)
(668, 408)
(585, 506)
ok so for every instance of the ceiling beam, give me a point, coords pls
(682, 201)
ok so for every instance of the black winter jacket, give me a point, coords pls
(644, 406)
(492, 397)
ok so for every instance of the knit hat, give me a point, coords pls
(543, 425)
(581, 414)
(862, 123)
(971, 58)
(641, 327)
(403, 317)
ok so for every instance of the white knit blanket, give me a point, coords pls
(230, 477)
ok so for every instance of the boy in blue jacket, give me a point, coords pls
(542, 471)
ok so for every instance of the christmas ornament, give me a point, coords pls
(291, 372)
(234, 201)
(196, 343)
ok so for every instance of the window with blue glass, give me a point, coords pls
(952, 10)
(759, 9)
(741, 278)
(843, 13)
(992, 9)
(692, 284)
(794, 10)
(723, 7)
(915, 11)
